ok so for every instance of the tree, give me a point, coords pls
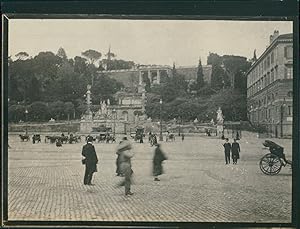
(200, 76)
(92, 55)
(69, 109)
(80, 65)
(16, 113)
(22, 55)
(56, 109)
(118, 64)
(35, 90)
(62, 53)
(38, 111)
(104, 88)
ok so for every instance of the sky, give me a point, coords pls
(159, 42)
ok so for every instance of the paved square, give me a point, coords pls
(46, 183)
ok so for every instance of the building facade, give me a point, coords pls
(270, 87)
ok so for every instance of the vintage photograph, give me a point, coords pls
(156, 120)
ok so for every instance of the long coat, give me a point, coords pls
(125, 155)
(89, 152)
(235, 150)
(158, 158)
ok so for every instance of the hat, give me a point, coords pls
(90, 139)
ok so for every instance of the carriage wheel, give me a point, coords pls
(270, 164)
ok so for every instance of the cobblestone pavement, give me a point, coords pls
(46, 183)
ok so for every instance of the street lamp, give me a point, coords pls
(114, 116)
(26, 112)
(160, 109)
(281, 117)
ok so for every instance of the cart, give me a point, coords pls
(271, 163)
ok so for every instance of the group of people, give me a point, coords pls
(125, 154)
(234, 148)
(123, 162)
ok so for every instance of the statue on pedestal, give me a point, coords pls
(103, 108)
(220, 122)
(220, 118)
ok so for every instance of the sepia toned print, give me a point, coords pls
(150, 120)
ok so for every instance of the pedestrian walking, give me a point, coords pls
(126, 154)
(235, 151)
(90, 160)
(158, 158)
(227, 149)
(182, 137)
(141, 138)
(118, 162)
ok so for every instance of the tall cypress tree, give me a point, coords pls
(174, 70)
(200, 76)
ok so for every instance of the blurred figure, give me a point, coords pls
(118, 162)
(125, 150)
(235, 151)
(182, 137)
(90, 161)
(158, 158)
(227, 149)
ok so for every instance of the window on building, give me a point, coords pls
(290, 110)
(276, 73)
(288, 52)
(288, 72)
(272, 58)
(268, 78)
(269, 113)
(268, 62)
(272, 75)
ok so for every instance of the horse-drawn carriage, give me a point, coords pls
(170, 137)
(36, 138)
(105, 137)
(271, 163)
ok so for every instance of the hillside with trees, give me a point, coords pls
(200, 100)
(52, 85)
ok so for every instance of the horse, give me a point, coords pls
(24, 137)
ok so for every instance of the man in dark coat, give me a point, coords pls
(91, 160)
(158, 158)
(125, 150)
(235, 151)
(227, 149)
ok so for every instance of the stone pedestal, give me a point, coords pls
(220, 129)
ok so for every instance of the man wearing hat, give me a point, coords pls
(158, 158)
(125, 152)
(90, 161)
